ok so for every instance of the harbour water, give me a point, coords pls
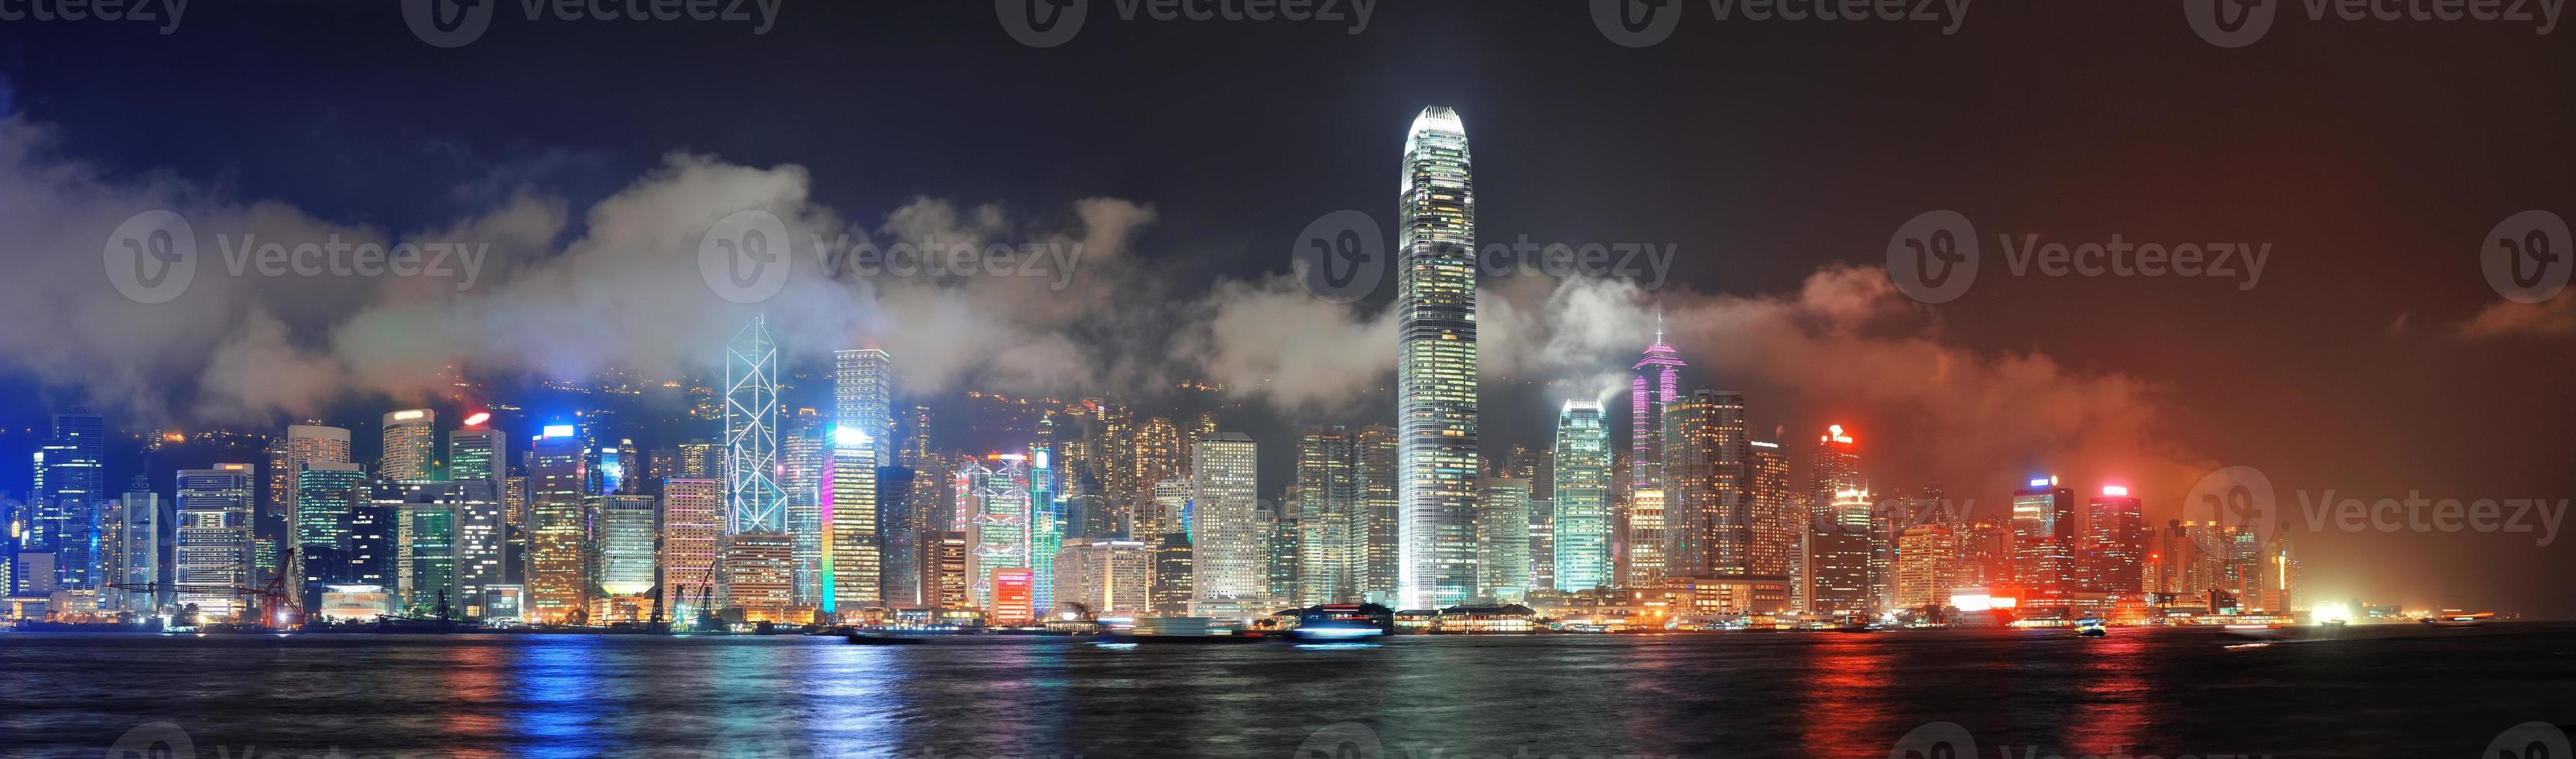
(2386, 690)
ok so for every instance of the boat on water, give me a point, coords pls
(2092, 627)
(2460, 620)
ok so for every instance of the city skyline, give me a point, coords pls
(2098, 401)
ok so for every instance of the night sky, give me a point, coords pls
(2371, 358)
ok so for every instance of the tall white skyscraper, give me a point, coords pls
(753, 500)
(411, 445)
(1225, 534)
(1436, 366)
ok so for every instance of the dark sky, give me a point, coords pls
(2371, 155)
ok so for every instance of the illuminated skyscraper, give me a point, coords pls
(1582, 501)
(1502, 532)
(993, 513)
(478, 453)
(70, 482)
(1435, 366)
(2114, 555)
(132, 546)
(1838, 557)
(1111, 577)
(411, 445)
(692, 525)
(1657, 384)
(863, 395)
(558, 526)
(325, 493)
(851, 564)
(759, 576)
(1172, 575)
(2043, 553)
(1834, 467)
(214, 548)
(753, 500)
(1927, 566)
(1779, 518)
(1225, 534)
(1643, 565)
(1378, 512)
(1334, 543)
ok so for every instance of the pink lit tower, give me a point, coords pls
(1657, 382)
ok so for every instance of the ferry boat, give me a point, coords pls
(2092, 627)
(2455, 619)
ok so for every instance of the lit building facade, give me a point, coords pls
(1225, 533)
(1502, 540)
(753, 500)
(214, 549)
(1334, 539)
(2043, 555)
(852, 567)
(1109, 577)
(1582, 501)
(692, 526)
(1435, 366)
(411, 445)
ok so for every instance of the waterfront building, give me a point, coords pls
(1225, 532)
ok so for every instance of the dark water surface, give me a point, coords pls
(2394, 690)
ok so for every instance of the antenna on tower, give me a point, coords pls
(1659, 325)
